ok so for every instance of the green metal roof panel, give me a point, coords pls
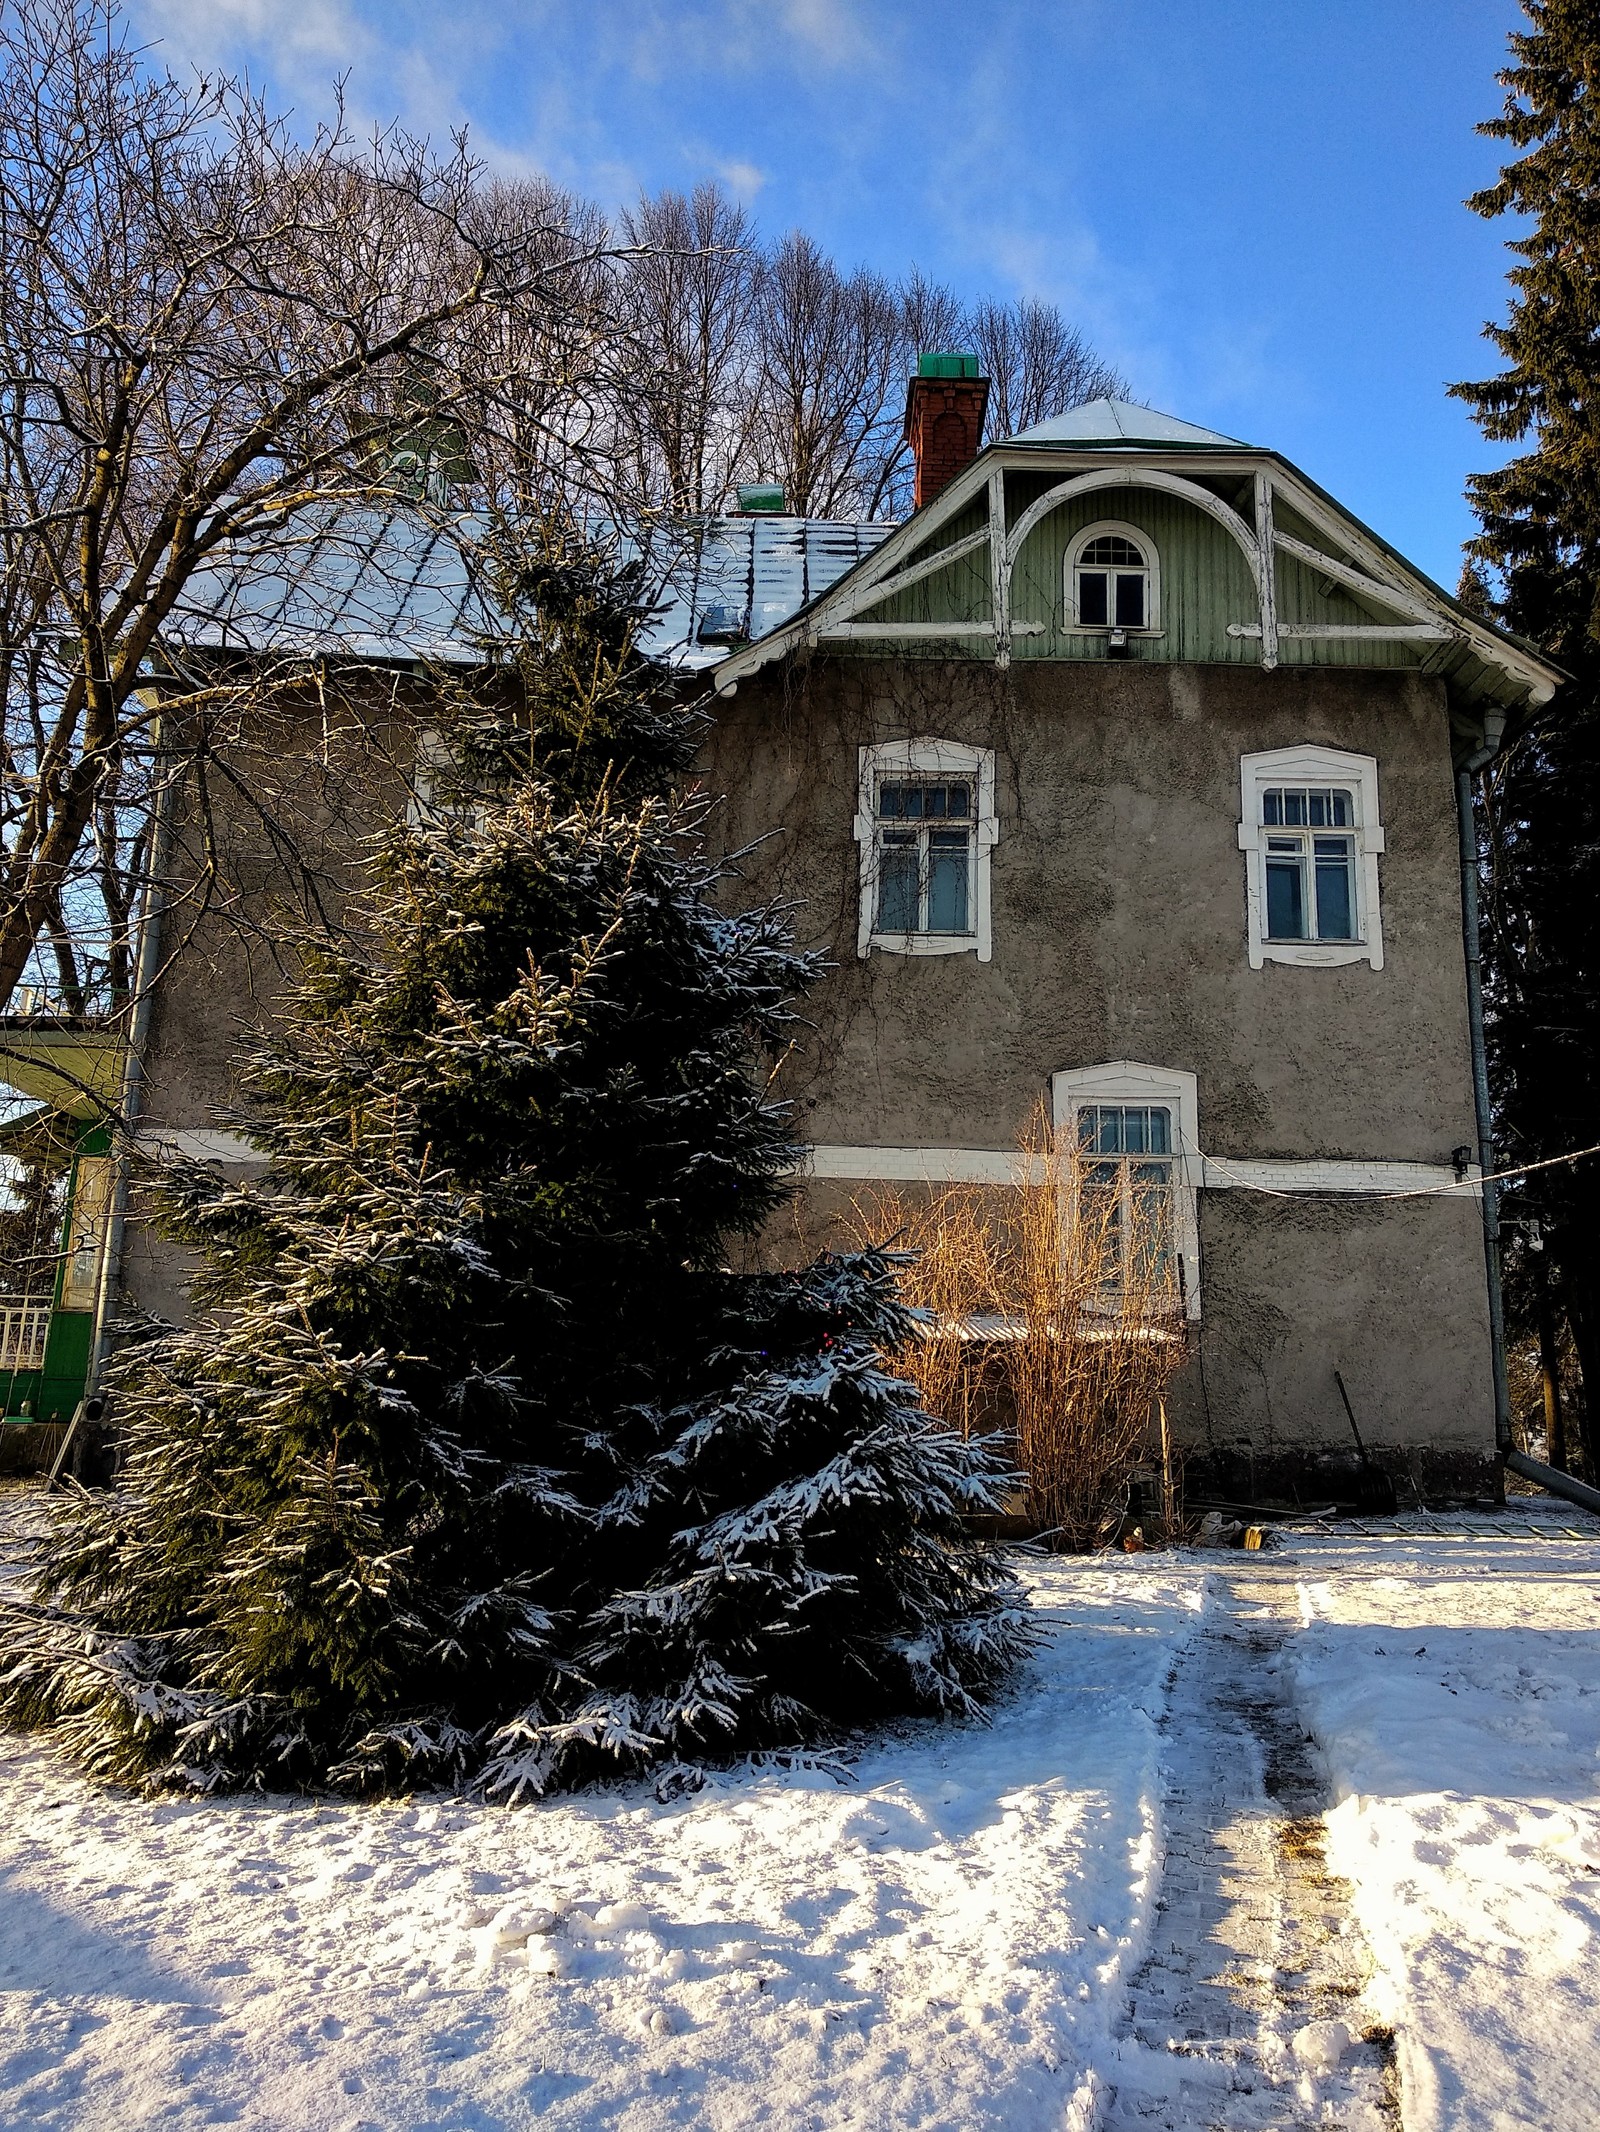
(1114, 422)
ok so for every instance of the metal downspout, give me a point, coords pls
(1480, 1097)
(132, 1102)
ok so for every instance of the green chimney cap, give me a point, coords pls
(947, 366)
(761, 497)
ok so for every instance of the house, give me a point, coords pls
(1126, 775)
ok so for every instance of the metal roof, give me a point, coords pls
(396, 584)
(1122, 422)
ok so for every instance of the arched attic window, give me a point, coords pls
(1113, 578)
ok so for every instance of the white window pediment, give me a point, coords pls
(1311, 833)
(925, 826)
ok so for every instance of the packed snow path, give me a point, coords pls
(1244, 2011)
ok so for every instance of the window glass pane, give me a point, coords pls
(1343, 812)
(1151, 1195)
(1272, 808)
(1134, 1123)
(1093, 610)
(1294, 809)
(1100, 1210)
(933, 802)
(1286, 903)
(1112, 548)
(1319, 810)
(1130, 602)
(1160, 1131)
(912, 807)
(1335, 889)
(959, 801)
(947, 881)
(891, 801)
(1110, 1142)
(897, 885)
(1088, 1125)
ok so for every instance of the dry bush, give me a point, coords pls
(1051, 1306)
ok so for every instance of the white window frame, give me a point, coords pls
(424, 808)
(1151, 625)
(1128, 1081)
(886, 760)
(1312, 765)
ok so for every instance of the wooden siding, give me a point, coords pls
(959, 594)
(1206, 583)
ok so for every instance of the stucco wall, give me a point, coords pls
(1119, 932)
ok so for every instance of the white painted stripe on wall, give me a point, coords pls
(916, 1165)
(958, 1165)
(1219, 1175)
(197, 1143)
(981, 1165)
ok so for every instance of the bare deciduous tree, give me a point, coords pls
(769, 362)
(208, 332)
(1036, 363)
(691, 288)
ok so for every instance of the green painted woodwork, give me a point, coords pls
(958, 594)
(947, 366)
(78, 1071)
(1206, 583)
(51, 1393)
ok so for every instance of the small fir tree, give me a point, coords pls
(480, 1465)
(1536, 565)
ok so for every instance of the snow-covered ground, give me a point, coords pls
(940, 1933)
(940, 1939)
(1452, 1681)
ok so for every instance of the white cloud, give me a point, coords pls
(743, 180)
(211, 33)
(836, 34)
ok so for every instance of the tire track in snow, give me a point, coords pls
(1245, 2014)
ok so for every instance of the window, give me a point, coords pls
(1125, 1192)
(1112, 579)
(1310, 831)
(925, 825)
(86, 1230)
(924, 856)
(1133, 1132)
(440, 787)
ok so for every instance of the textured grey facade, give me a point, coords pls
(1118, 932)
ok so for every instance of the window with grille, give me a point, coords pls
(925, 826)
(1310, 862)
(1312, 838)
(1125, 1157)
(924, 856)
(1132, 1133)
(1112, 579)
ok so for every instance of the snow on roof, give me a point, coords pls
(398, 585)
(1121, 422)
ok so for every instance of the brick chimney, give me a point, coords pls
(945, 406)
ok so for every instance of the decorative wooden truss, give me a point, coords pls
(1411, 609)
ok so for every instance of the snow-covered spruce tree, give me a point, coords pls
(479, 1466)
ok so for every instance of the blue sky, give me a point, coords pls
(1253, 207)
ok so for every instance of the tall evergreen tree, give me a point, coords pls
(1537, 559)
(480, 1464)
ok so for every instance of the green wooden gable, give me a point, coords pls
(1257, 567)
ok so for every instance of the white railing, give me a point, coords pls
(23, 1327)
